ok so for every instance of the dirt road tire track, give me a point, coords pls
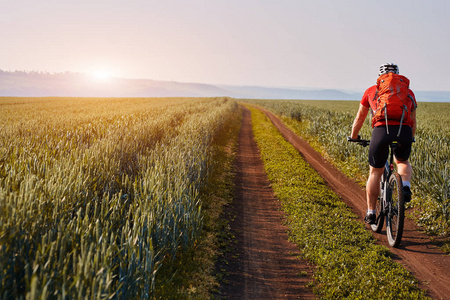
(264, 264)
(427, 262)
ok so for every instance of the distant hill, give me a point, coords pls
(432, 96)
(39, 84)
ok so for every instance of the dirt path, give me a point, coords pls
(263, 265)
(428, 264)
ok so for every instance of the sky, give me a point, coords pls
(274, 43)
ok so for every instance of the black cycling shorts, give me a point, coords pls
(379, 144)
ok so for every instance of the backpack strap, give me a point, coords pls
(373, 106)
(401, 120)
(386, 118)
(375, 95)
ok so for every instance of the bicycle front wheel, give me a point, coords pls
(396, 210)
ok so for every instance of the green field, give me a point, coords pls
(105, 198)
(122, 198)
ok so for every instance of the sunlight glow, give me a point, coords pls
(101, 75)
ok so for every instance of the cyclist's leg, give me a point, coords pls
(378, 153)
(379, 147)
(403, 152)
(401, 156)
(404, 169)
(373, 187)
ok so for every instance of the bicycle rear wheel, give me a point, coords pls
(396, 210)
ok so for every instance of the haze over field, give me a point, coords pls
(35, 84)
(287, 44)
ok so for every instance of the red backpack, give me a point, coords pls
(393, 102)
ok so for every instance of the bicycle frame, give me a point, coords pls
(388, 170)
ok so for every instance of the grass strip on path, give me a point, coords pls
(349, 263)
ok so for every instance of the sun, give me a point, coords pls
(101, 75)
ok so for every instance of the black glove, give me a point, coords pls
(349, 139)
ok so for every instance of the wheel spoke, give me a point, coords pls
(396, 211)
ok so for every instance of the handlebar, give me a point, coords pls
(365, 143)
(359, 141)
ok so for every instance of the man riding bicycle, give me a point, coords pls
(387, 126)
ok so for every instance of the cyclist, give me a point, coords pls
(381, 138)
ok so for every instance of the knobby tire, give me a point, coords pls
(396, 211)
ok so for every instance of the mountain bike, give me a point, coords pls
(390, 203)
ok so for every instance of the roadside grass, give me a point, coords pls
(193, 275)
(349, 263)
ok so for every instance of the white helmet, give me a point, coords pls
(388, 68)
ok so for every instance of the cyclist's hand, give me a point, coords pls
(349, 139)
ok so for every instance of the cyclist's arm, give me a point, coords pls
(359, 121)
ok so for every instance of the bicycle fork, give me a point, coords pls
(384, 190)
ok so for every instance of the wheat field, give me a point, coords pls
(96, 195)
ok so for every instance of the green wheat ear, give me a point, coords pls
(99, 196)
